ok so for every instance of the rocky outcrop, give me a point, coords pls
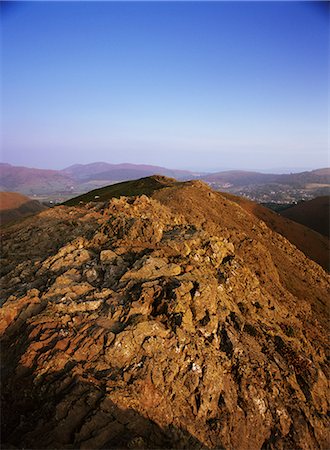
(135, 324)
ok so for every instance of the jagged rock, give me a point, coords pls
(108, 256)
(177, 321)
(151, 268)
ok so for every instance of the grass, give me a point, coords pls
(146, 186)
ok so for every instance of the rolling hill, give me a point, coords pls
(244, 178)
(31, 181)
(77, 178)
(120, 172)
(81, 178)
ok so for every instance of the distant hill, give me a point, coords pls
(244, 178)
(81, 178)
(240, 177)
(314, 214)
(14, 206)
(76, 178)
(33, 181)
(120, 172)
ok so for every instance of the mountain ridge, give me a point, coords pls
(241, 177)
(177, 320)
(312, 244)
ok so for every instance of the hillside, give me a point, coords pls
(33, 181)
(314, 214)
(76, 179)
(81, 178)
(244, 178)
(240, 177)
(14, 206)
(176, 321)
(147, 186)
(12, 200)
(311, 243)
(120, 172)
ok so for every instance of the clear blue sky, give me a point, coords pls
(208, 85)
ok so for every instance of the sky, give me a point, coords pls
(191, 85)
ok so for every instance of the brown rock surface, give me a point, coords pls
(179, 321)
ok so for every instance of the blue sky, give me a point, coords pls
(197, 85)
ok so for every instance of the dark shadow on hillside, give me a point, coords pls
(92, 420)
(61, 410)
(11, 216)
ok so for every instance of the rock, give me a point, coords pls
(150, 268)
(108, 256)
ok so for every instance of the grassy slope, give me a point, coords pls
(144, 186)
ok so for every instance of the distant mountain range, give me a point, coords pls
(33, 181)
(244, 178)
(81, 178)
(77, 178)
(120, 172)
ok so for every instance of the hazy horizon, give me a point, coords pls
(205, 86)
(274, 170)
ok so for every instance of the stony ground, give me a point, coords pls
(178, 321)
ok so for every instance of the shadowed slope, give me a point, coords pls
(312, 244)
(14, 206)
(314, 214)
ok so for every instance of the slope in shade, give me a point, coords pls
(14, 207)
(311, 243)
(179, 321)
(314, 214)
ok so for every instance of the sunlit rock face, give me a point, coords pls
(178, 321)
